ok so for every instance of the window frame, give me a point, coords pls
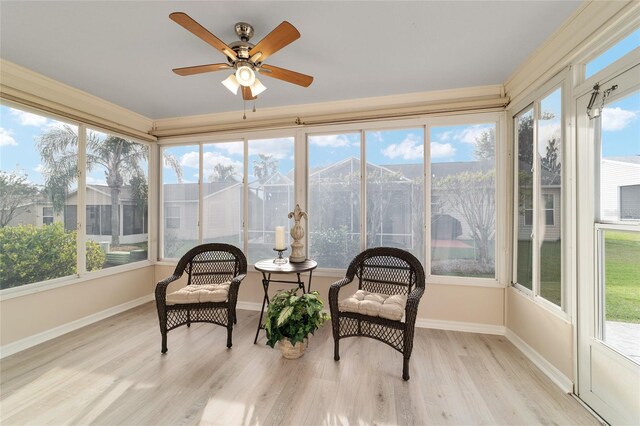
(212, 139)
(82, 274)
(563, 82)
(499, 118)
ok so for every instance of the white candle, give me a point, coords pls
(280, 238)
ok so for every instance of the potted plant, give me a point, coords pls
(291, 318)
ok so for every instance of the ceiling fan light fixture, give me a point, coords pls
(257, 87)
(245, 74)
(231, 83)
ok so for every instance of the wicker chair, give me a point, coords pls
(215, 271)
(385, 272)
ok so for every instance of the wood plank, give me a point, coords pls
(112, 372)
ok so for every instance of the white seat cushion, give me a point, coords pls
(199, 294)
(375, 305)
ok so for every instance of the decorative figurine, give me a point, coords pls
(297, 233)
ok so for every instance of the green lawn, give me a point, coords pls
(622, 273)
(622, 276)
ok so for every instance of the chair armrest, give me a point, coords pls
(411, 309)
(333, 294)
(161, 287)
(234, 285)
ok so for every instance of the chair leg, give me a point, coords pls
(405, 369)
(164, 342)
(189, 318)
(336, 349)
(229, 331)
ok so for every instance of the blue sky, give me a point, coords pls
(617, 51)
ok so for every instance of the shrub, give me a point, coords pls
(30, 254)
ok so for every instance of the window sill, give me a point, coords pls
(25, 290)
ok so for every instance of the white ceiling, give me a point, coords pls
(124, 51)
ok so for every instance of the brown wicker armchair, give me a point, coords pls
(215, 272)
(390, 284)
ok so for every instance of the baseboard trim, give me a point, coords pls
(36, 339)
(469, 327)
(556, 376)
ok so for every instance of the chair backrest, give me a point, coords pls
(212, 263)
(387, 270)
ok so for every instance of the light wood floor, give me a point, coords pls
(113, 373)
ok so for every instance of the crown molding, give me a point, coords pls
(585, 28)
(24, 86)
(462, 99)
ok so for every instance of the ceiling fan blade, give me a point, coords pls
(281, 36)
(286, 75)
(246, 93)
(199, 69)
(201, 32)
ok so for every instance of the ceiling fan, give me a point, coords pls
(244, 57)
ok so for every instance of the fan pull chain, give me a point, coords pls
(244, 115)
(254, 105)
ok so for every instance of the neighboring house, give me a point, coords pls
(133, 222)
(550, 208)
(620, 188)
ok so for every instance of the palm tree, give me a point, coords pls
(222, 173)
(265, 166)
(120, 158)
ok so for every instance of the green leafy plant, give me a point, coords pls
(293, 317)
(31, 254)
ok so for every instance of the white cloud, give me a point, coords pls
(6, 139)
(334, 141)
(279, 148)
(39, 168)
(440, 150)
(548, 132)
(472, 133)
(468, 134)
(376, 135)
(29, 119)
(212, 158)
(190, 159)
(614, 119)
(409, 149)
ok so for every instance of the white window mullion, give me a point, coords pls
(427, 199)
(81, 207)
(535, 247)
(363, 191)
(200, 194)
(245, 201)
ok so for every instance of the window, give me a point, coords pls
(547, 207)
(180, 199)
(222, 192)
(43, 155)
(271, 195)
(620, 49)
(395, 189)
(334, 198)
(538, 232)
(116, 198)
(630, 202)
(463, 181)
(208, 205)
(47, 215)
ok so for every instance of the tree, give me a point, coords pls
(15, 191)
(120, 158)
(471, 194)
(222, 173)
(265, 166)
